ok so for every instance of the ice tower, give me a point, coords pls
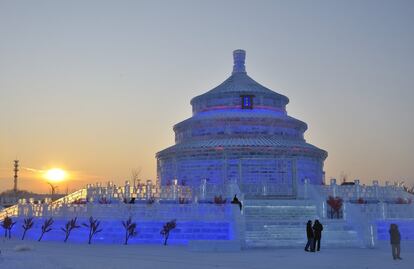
(240, 132)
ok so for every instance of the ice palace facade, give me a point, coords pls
(239, 141)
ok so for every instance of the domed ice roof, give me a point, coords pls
(240, 83)
(222, 104)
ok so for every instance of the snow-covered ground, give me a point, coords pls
(17, 254)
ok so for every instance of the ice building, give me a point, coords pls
(240, 131)
(241, 141)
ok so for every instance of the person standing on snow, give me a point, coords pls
(395, 238)
(310, 236)
(317, 230)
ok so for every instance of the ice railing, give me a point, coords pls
(362, 206)
(378, 202)
(142, 212)
(9, 211)
(163, 193)
(71, 198)
(371, 193)
(109, 196)
(106, 193)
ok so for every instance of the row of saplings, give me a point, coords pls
(93, 226)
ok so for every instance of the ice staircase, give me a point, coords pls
(282, 223)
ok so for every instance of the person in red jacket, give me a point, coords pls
(395, 238)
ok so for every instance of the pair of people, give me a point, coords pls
(314, 235)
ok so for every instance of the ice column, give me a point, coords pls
(149, 190)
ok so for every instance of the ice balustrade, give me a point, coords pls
(142, 212)
(9, 211)
(71, 198)
(375, 201)
(382, 211)
(373, 193)
(141, 192)
(378, 201)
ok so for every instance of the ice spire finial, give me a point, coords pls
(238, 59)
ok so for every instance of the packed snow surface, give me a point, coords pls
(16, 254)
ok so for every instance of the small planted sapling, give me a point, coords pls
(70, 225)
(93, 226)
(130, 229)
(167, 228)
(7, 224)
(46, 227)
(27, 225)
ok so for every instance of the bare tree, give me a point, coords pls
(53, 188)
(46, 227)
(70, 225)
(343, 177)
(93, 226)
(135, 176)
(7, 224)
(167, 228)
(130, 229)
(28, 224)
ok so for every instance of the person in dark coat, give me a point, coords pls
(236, 201)
(310, 236)
(317, 231)
(395, 238)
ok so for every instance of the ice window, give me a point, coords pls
(247, 101)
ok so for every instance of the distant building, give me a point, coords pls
(240, 131)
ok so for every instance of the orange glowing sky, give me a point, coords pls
(95, 87)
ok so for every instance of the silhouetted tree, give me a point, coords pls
(7, 224)
(46, 227)
(135, 177)
(167, 228)
(27, 225)
(130, 229)
(70, 225)
(93, 226)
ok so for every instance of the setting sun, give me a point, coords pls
(55, 175)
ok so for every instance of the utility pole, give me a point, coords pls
(16, 170)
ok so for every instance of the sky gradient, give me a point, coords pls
(95, 87)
